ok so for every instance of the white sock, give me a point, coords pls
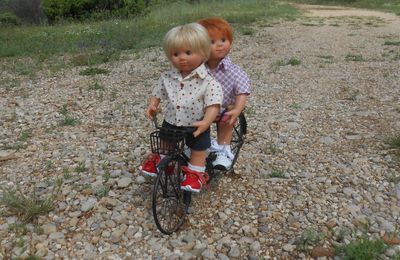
(196, 168)
(215, 146)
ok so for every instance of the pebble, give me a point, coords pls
(49, 228)
(234, 251)
(124, 182)
(88, 204)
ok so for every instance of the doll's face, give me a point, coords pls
(186, 60)
(220, 47)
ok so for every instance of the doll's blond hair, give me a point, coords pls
(192, 35)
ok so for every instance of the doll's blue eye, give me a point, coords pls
(223, 40)
(175, 54)
(188, 52)
(212, 41)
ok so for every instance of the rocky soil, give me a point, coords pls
(315, 157)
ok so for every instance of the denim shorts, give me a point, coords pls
(199, 143)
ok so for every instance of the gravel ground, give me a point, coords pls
(314, 157)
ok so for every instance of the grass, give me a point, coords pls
(23, 137)
(270, 148)
(394, 141)
(106, 176)
(362, 248)
(394, 178)
(277, 173)
(294, 61)
(66, 174)
(93, 71)
(80, 167)
(354, 57)
(102, 191)
(280, 63)
(67, 120)
(90, 59)
(295, 106)
(96, 86)
(326, 58)
(141, 32)
(28, 206)
(308, 239)
(394, 43)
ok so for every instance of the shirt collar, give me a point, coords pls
(224, 64)
(200, 71)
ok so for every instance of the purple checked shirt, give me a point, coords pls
(233, 79)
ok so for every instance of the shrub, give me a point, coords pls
(29, 11)
(9, 19)
(133, 6)
(362, 248)
(29, 206)
(61, 9)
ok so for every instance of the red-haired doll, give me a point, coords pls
(235, 85)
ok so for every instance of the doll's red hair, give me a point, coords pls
(217, 27)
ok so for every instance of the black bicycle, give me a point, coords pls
(170, 203)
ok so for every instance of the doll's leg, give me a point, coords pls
(224, 158)
(198, 158)
(224, 134)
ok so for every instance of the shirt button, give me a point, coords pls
(182, 85)
(177, 107)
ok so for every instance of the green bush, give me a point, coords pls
(29, 11)
(133, 6)
(79, 9)
(9, 19)
(362, 248)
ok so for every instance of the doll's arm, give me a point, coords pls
(240, 103)
(210, 114)
(153, 106)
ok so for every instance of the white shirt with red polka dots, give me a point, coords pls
(186, 98)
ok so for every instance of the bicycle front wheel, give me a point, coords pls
(170, 203)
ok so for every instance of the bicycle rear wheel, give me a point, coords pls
(239, 132)
(170, 204)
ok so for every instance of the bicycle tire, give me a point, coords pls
(170, 204)
(239, 132)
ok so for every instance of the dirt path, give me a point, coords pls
(335, 11)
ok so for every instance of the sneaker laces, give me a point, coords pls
(224, 151)
(151, 158)
(203, 177)
(228, 153)
(215, 147)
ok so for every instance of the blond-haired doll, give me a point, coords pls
(192, 98)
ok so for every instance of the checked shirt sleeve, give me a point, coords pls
(242, 83)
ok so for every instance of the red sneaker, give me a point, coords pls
(149, 165)
(193, 181)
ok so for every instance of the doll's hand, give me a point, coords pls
(233, 115)
(201, 127)
(150, 111)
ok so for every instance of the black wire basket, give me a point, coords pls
(168, 141)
